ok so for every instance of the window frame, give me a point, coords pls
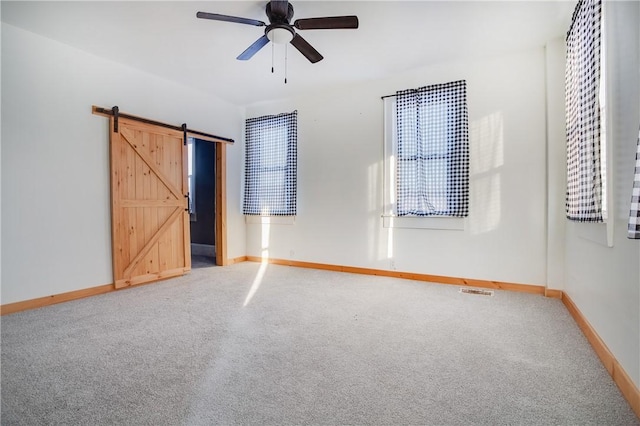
(443, 154)
(390, 219)
(603, 232)
(256, 168)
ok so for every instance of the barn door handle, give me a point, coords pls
(188, 209)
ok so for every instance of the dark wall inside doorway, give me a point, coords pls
(203, 229)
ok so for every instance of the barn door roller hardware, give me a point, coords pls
(184, 133)
(116, 114)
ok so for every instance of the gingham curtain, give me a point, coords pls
(432, 164)
(582, 85)
(270, 165)
(634, 214)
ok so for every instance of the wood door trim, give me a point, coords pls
(186, 222)
(176, 193)
(149, 245)
(198, 135)
(221, 205)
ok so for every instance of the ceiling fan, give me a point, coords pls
(280, 30)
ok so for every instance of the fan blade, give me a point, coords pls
(253, 49)
(306, 49)
(328, 23)
(280, 7)
(227, 18)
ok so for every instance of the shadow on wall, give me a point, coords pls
(486, 143)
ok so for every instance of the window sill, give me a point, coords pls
(412, 222)
(595, 232)
(271, 220)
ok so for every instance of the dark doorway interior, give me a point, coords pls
(203, 218)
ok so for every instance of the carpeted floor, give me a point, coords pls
(258, 344)
(200, 261)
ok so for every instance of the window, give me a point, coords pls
(585, 103)
(430, 144)
(270, 165)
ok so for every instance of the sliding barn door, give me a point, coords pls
(150, 226)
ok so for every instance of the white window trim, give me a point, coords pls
(603, 233)
(606, 132)
(390, 219)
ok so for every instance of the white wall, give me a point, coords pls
(0, 166)
(340, 165)
(55, 163)
(603, 281)
(555, 51)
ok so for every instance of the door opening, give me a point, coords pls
(202, 201)
(151, 224)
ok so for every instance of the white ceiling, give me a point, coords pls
(165, 38)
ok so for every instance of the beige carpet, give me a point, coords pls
(254, 344)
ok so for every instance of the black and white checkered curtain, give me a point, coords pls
(270, 165)
(582, 86)
(634, 214)
(432, 176)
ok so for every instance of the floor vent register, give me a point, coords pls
(477, 291)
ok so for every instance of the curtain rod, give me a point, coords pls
(428, 87)
(404, 91)
(116, 113)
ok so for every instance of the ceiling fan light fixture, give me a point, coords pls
(280, 35)
(280, 30)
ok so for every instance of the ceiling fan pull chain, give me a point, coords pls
(272, 56)
(285, 64)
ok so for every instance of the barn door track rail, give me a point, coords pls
(115, 113)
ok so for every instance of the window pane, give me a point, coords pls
(435, 127)
(437, 184)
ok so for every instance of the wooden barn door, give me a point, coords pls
(150, 224)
